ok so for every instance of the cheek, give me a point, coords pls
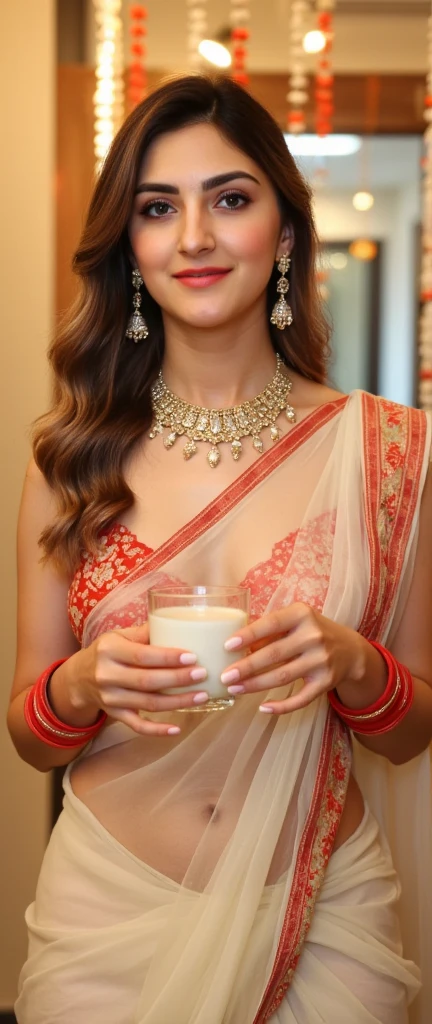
(257, 241)
(151, 248)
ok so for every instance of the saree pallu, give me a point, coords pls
(250, 918)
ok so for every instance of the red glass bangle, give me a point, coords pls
(389, 710)
(44, 723)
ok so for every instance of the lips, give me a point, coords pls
(202, 277)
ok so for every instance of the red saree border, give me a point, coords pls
(242, 486)
(394, 438)
(314, 852)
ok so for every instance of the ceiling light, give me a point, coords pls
(338, 260)
(330, 145)
(314, 42)
(363, 201)
(215, 53)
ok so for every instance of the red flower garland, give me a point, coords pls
(239, 39)
(137, 77)
(324, 81)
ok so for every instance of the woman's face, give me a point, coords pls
(205, 228)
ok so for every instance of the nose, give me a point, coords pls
(196, 233)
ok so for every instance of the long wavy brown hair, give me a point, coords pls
(101, 394)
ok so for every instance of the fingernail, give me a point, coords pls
(265, 708)
(188, 659)
(230, 645)
(236, 689)
(198, 674)
(173, 731)
(200, 698)
(231, 676)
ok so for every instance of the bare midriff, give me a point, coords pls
(175, 829)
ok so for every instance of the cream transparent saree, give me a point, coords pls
(209, 920)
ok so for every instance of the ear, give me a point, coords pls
(286, 242)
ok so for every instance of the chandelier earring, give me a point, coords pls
(137, 328)
(282, 313)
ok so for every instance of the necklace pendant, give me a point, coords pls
(169, 441)
(236, 449)
(213, 457)
(189, 449)
(258, 445)
(156, 429)
(290, 414)
(275, 433)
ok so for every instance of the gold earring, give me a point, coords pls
(282, 313)
(137, 328)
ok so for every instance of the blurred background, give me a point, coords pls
(356, 113)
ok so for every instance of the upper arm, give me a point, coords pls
(44, 632)
(412, 644)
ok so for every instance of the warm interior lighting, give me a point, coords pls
(363, 249)
(338, 260)
(314, 42)
(363, 201)
(330, 145)
(215, 53)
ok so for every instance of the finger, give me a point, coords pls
(127, 652)
(281, 664)
(144, 726)
(150, 680)
(130, 700)
(307, 695)
(280, 621)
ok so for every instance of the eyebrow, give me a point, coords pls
(218, 179)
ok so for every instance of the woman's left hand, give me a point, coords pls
(293, 643)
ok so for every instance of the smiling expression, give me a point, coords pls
(205, 227)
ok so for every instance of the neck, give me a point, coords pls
(218, 368)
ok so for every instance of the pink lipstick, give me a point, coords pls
(202, 277)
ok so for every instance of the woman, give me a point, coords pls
(221, 867)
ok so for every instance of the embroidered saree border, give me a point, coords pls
(242, 486)
(312, 858)
(394, 443)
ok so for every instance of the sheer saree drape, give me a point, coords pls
(213, 916)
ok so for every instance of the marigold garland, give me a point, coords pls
(137, 75)
(324, 81)
(240, 34)
(297, 95)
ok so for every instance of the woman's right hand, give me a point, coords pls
(122, 674)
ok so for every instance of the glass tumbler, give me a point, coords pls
(200, 620)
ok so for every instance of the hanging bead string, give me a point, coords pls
(240, 34)
(298, 82)
(108, 98)
(196, 29)
(324, 81)
(137, 76)
(425, 323)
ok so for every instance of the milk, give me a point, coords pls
(202, 629)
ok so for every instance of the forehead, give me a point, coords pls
(194, 153)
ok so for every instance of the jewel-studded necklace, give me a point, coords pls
(217, 426)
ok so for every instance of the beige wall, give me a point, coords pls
(27, 67)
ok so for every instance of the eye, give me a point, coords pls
(156, 209)
(233, 200)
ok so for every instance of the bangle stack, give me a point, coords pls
(44, 723)
(389, 710)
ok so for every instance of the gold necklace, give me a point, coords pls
(221, 425)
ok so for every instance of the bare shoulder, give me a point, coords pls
(307, 395)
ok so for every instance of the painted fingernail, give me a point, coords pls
(198, 674)
(230, 645)
(236, 689)
(188, 659)
(231, 676)
(200, 698)
(173, 731)
(266, 709)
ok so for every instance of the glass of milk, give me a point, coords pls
(200, 620)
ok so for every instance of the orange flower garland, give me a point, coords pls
(324, 81)
(137, 77)
(239, 18)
